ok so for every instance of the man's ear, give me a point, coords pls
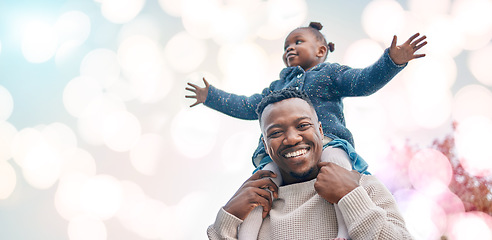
(322, 50)
(320, 128)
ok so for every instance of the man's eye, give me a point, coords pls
(274, 134)
(303, 126)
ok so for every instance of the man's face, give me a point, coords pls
(301, 48)
(293, 138)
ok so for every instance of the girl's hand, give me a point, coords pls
(404, 53)
(200, 93)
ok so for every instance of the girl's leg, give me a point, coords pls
(341, 158)
(250, 227)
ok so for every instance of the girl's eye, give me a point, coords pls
(298, 42)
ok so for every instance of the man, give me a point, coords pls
(302, 208)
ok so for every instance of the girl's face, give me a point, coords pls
(303, 49)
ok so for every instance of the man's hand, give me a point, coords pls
(404, 53)
(256, 191)
(334, 182)
(200, 93)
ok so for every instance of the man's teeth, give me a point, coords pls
(296, 153)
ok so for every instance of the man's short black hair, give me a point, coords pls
(279, 95)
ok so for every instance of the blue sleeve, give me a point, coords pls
(352, 82)
(242, 107)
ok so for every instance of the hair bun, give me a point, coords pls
(331, 46)
(316, 25)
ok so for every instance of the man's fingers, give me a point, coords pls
(262, 174)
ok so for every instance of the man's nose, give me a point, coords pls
(292, 137)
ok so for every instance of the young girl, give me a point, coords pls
(305, 52)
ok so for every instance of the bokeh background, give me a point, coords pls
(98, 142)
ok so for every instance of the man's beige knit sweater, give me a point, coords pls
(370, 212)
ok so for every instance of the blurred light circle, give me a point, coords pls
(473, 145)
(124, 89)
(121, 11)
(237, 149)
(23, 142)
(450, 202)
(232, 26)
(101, 65)
(432, 72)
(144, 217)
(78, 93)
(59, 136)
(172, 7)
(431, 110)
(194, 131)
(429, 90)
(144, 25)
(101, 196)
(186, 217)
(233, 58)
(179, 49)
(138, 54)
(8, 179)
(472, 18)
(77, 161)
(132, 194)
(7, 135)
(155, 85)
(424, 218)
(382, 19)
(148, 152)
(39, 42)
(87, 227)
(198, 16)
(42, 165)
(470, 225)
(73, 26)
(6, 104)
(429, 167)
(143, 65)
(445, 40)
(283, 16)
(470, 100)
(429, 9)
(68, 201)
(362, 53)
(120, 131)
(91, 123)
(478, 64)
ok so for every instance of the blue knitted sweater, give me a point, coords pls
(326, 85)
